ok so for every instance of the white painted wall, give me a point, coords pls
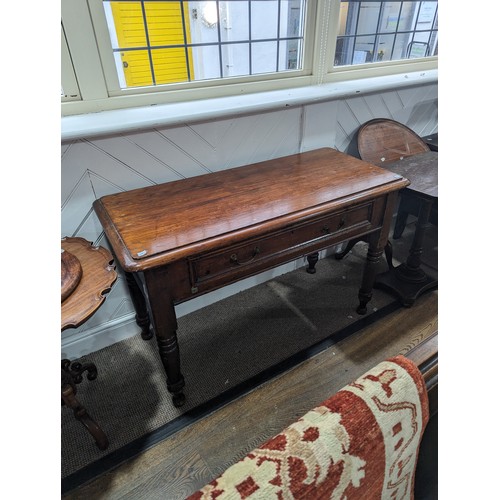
(94, 167)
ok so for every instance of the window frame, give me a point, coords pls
(69, 83)
(90, 52)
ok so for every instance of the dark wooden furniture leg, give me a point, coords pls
(162, 313)
(400, 224)
(312, 259)
(378, 242)
(372, 259)
(408, 280)
(71, 374)
(348, 248)
(140, 306)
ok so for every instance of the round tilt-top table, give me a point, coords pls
(87, 275)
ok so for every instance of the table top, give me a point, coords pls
(159, 224)
(422, 172)
(97, 276)
(431, 140)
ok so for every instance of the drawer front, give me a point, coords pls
(240, 259)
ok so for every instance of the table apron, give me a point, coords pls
(200, 274)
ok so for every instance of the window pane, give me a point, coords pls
(136, 68)
(128, 29)
(292, 14)
(158, 42)
(206, 62)
(170, 65)
(164, 23)
(367, 21)
(264, 19)
(289, 54)
(392, 31)
(236, 59)
(264, 57)
(234, 21)
(390, 16)
(385, 46)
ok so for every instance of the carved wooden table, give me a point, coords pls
(178, 240)
(87, 274)
(408, 280)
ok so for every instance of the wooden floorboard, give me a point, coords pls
(185, 462)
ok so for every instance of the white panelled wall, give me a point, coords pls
(95, 167)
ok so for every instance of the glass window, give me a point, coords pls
(372, 31)
(125, 53)
(167, 41)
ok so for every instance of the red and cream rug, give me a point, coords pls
(361, 443)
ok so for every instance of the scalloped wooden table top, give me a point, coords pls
(87, 275)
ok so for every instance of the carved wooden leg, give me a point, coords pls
(312, 259)
(164, 320)
(68, 397)
(140, 306)
(365, 292)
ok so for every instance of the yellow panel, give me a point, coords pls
(129, 24)
(164, 22)
(136, 67)
(170, 65)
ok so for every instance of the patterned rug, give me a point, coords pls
(362, 442)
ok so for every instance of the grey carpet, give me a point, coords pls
(221, 346)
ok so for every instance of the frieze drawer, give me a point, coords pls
(256, 252)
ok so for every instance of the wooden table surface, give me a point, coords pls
(97, 276)
(421, 170)
(172, 220)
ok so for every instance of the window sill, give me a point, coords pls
(147, 117)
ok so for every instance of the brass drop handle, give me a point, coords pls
(325, 229)
(234, 257)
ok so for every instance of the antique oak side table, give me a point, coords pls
(87, 274)
(181, 239)
(408, 280)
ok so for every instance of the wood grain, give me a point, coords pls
(169, 221)
(71, 273)
(382, 141)
(98, 275)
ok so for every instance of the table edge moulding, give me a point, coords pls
(178, 240)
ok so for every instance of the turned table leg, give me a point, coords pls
(163, 317)
(312, 260)
(373, 257)
(140, 306)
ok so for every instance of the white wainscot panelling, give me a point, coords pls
(95, 167)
